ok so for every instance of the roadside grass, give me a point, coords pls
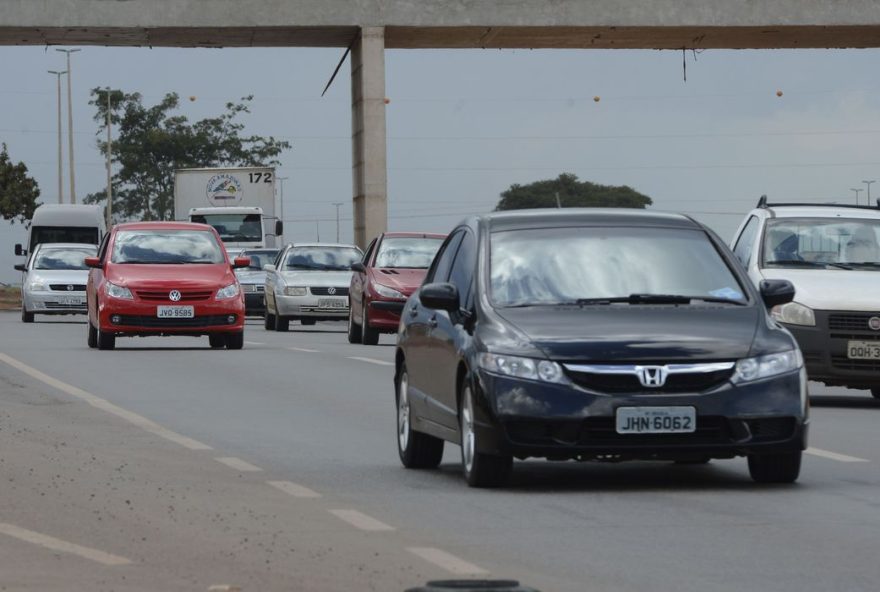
(10, 298)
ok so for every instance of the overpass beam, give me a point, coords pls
(369, 160)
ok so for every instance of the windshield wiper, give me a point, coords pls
(847, 266)
(795, 262)
(655, 299)
(872, 264)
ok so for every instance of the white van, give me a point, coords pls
(65, 223)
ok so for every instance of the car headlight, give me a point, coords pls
(230, 291)
(37, 286)
(387, 292)
(118, 291)
(528, 368)
(296, 291)
(794, 313)
(751, 369)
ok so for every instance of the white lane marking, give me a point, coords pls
(254, 343)
(304, 349)
(238, 464)
(834, 455)
(447, 561)
(223, 588)
(104, 405)
(294, 489)
(371, 361)
(63, 546)
(361, 521)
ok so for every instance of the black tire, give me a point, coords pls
(416, 449)
(106, 340)
(875, 392)
(307, 322)
(354, 330)
(217, 341)
(282, 323)
(775, 468)
(234, 340)
(369, 335)
(480, 469)
(93, 336)
(269, 321)
(26, 317)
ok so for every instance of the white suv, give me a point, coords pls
(831, 253)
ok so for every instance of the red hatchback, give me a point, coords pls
(164, 278)
(392, 268)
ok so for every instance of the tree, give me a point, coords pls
(572, 193)
(18, 190)
(151, 142)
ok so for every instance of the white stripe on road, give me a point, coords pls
(238, 464)
(447, 561)
(254, 343)
(834, 455)
(63, 546)
(104, 405)
(304, 349)
(361, 521)
(371, 361)
(294, 489)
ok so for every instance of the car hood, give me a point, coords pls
(659, 334)
(339, 279)
(831, 289)
(59, 276)
(403, 280)
(251, 276)
(170, 276)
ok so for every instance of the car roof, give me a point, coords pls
(820, 211)
(162, 226)
(413, 234)
(331, 245)
(561, 217)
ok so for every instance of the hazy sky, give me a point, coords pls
(465, 124)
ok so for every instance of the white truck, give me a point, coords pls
(238, 202)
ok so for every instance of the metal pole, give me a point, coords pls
(60, 172)
(558, 204)
(337, 204)
(868, 183)
(857, 191)
(281, 201)
(109, 172)
(70, 126)
(318, 230)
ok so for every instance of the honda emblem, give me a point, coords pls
(652, 376)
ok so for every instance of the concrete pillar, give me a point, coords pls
(370, 176)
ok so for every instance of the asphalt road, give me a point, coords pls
(165, 465)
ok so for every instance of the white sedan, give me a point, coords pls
(54, 280)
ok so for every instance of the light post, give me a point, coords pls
(868, 184)
(857, 191)
(70, 125)
(58, 80)
(337, 204)
(109, 172)
(281, 202)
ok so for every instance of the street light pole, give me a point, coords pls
(70, 126)
(281, 202)
(60, 174)
(857, 191)
(109, 172)
(868, 184)
(337, 204)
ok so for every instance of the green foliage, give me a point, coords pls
(149, 143)
(18, 191)
(572, 194)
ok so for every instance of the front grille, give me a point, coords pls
(58, 305)
(63, 287)
(253, 288)
(844, 363)
(325, 291)
(628, 383)
(155, 322)
(850, 321)
(185, 295)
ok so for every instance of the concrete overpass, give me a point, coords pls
(370, 26)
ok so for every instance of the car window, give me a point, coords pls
(744, 244)
(822, 243)
(369, 253)
(102, 250)
(62, 259)
(462, 272)
(321, 258)
(259, 258)
(411, 252)
(439, 271)
(164, 247)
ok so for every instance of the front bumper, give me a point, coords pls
(311, 306)
(135, 317)
(254, 298)
(825, 348)
(531, 419)
(385, 314)
(55, 302)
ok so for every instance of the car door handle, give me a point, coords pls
(433, 321)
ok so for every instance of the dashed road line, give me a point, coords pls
(294, 489)
(447, 561)
(238, 464)
(305, 349)
(361, 521)
(104, 405)
(254, 343)
(54, 544)
(834, 455)
(371, 361)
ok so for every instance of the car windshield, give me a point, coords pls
(62, 259)
(166, 247)
(411, 252)
(321, 258)
(260, 258)
(599, 265)
(234, 227)
(822, 243)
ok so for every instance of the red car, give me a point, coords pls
(164, 278)
(393, 267)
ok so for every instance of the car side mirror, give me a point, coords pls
(19, 251)
(20, 267)
(93, 262)
(279, 227)
(269, 267)
(776, 292)
(240, 262)
(440, 296)
(358, 267)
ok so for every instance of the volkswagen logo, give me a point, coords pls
(174, 295)
(652, 376)
(874, 323)
(70, 289)
(333, 291)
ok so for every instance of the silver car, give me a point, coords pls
(54, 280)
(309, 283)
(253, 279)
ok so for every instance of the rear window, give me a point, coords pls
(163, 247)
